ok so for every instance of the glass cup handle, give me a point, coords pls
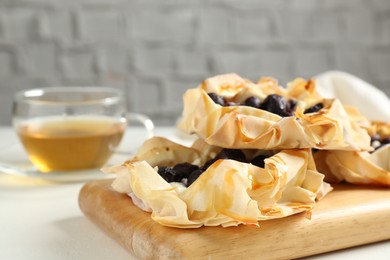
(145, 120)
(147, 124)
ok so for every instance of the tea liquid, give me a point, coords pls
(70, 143)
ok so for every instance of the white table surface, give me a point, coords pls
(41, 219)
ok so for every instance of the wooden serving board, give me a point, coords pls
(347, 217)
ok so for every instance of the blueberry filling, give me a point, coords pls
(187, 173)
(272, 103)
(177, 172)
(278, 105)
(252, 102)
(377, 142)
(259, 161)
(217, 98)
(315, 108)
(208, 164)
(194, 176)
(233, 154)
(291, 107)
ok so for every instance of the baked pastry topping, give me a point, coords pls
(232, 112)
(253, 160)
(187, 173)
(229, 191)
(371, 168)
(273, 103)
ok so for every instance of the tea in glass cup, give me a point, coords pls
(70, 128)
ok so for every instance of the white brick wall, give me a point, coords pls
(379, 64)
(7, 61)
(155, 50)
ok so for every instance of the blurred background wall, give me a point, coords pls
(155, 50)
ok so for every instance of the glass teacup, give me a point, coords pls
(72, 128)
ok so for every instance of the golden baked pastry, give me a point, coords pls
(232, 112)
(226, 192)
(371, 168)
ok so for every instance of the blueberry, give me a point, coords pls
(233, 154)
(276, 104)
(291, 107)
(183, 170)
(385, 141)
(208, 164)
(381, 143)
(375, 137)
(194, 176)
(217, 98)
(317, 107)
(377, 142)
(258, 161)
(168, 174)
(252, 102)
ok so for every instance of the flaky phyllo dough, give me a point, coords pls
(228, 193)
(244, 127)
(372, 168)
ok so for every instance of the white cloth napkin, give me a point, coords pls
(371, 102)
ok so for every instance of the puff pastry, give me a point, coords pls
(228, 193)
(244, 127)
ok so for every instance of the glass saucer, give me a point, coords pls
(14, 161)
